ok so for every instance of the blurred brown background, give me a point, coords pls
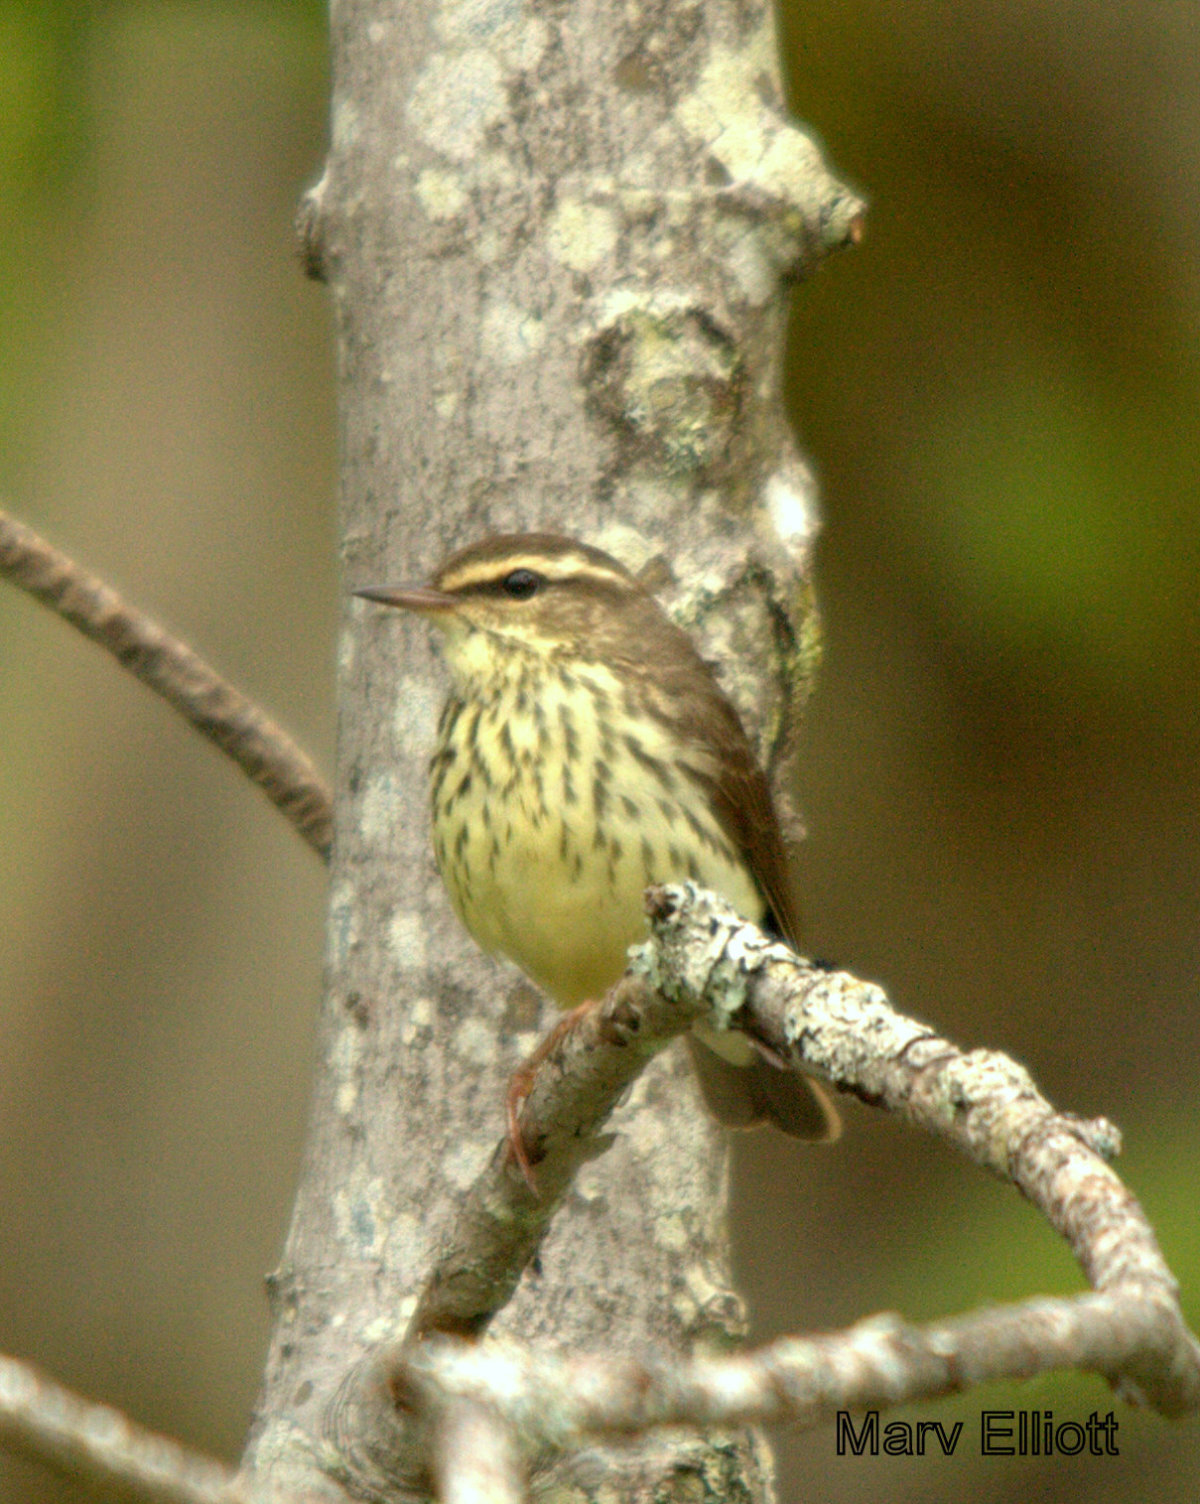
(999, 390)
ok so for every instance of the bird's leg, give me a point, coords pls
(521, 1084)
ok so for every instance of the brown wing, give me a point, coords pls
(724, 766)
(742, 801)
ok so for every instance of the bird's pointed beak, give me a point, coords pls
(423, 598)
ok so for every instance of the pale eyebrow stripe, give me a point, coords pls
(490, 571)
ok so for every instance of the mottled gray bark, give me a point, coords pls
(557, 241)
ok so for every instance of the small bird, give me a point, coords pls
(585, 752)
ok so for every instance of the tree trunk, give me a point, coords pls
(555, 240)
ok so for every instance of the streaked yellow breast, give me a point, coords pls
(555, 804)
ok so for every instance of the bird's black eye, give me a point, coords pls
(521, 584)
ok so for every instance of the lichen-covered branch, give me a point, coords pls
(99, 1446)
(263, 751)
(703, 956)
(844, 1031)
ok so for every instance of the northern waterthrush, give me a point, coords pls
(585, 752)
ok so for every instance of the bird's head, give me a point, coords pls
(530, 594)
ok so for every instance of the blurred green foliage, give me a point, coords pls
(43, 128)
(1017, 348)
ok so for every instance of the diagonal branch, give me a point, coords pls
(97, 1445)
(501, 1224)
(263, 751)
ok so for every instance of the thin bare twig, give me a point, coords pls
(560, 1402)
(263, 751)
(102, 1447)
(46, 1422)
